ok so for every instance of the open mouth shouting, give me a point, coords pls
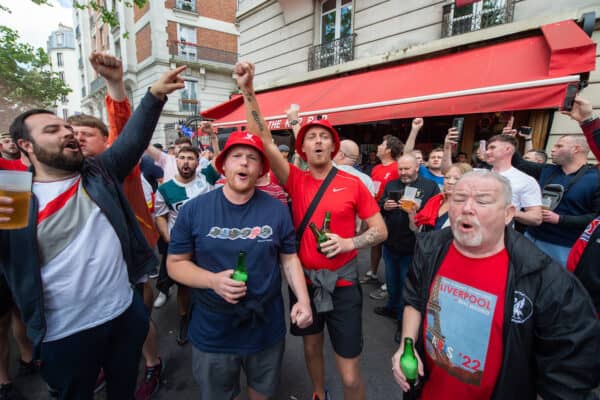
(72, 145)
(466, 225)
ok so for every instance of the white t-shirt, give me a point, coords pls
(84, 275)
(177, 194)
(526, 191)
(366, 179)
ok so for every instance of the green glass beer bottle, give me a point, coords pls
(240, 274)
(326, 223)
(320, 236)
(408, 362)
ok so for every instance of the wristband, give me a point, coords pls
(588, 120)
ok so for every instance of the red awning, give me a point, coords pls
(529, 73)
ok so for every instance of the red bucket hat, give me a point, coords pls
(317, 122)
(239, 138)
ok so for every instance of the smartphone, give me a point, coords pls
(570, 94)
(525, 130)
(482, 146)
(458, 123)
(395, 195)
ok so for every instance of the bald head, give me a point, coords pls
(408, 158)
(348, 154)
(408, 168)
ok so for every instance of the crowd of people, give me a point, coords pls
(490, 269)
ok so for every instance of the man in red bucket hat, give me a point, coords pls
(331, 266)
(237, 322)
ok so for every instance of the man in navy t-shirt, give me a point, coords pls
(235, 323)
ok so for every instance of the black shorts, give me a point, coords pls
(344, 322)
(6, 301)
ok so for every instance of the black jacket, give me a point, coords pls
(401, 240)
(102, 177)
(556, 351)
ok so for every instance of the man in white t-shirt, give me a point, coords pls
(170, 197)
(345, 160)
(526, 192)
(84, 251)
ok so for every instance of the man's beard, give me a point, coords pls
(469, 239)
(9, 154)
(58, 160)
(186, 174)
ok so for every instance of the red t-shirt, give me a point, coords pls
(13, 165)
(345, 197)
(463, 328)
(382, 174)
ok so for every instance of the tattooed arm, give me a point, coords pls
(244, 73)
(376, 233)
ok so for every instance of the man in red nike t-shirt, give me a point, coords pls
(332, 275)
(494, 317)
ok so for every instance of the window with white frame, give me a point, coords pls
(478, 15)
(189, 98)
(336, 19)
(60, 39)
(188, 5)
(187, 42)
(59, 59)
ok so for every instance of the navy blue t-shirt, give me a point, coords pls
(581, 198)
(215, 231)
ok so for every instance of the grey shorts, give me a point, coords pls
(218, 374)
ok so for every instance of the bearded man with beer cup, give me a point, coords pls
(81, 241)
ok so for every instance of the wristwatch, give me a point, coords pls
(294, 122)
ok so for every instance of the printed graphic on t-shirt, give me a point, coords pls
(264, 232)
(459, 322)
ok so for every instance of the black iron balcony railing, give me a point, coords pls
(96, 85)
(453, 25)
(336, 52)
(191, 52)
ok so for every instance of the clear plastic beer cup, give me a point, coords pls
(409, 202)
(16, 185)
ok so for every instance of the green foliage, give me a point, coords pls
(25, 76)
(107, 16)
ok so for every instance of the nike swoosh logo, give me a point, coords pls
(335, 190)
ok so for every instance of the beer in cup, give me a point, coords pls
(16, 185)
(409, 202)
(546, 203)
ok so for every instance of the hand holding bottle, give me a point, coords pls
(226, 287)
(406, 383)
(336, 245)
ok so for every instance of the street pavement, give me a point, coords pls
(178, 383)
